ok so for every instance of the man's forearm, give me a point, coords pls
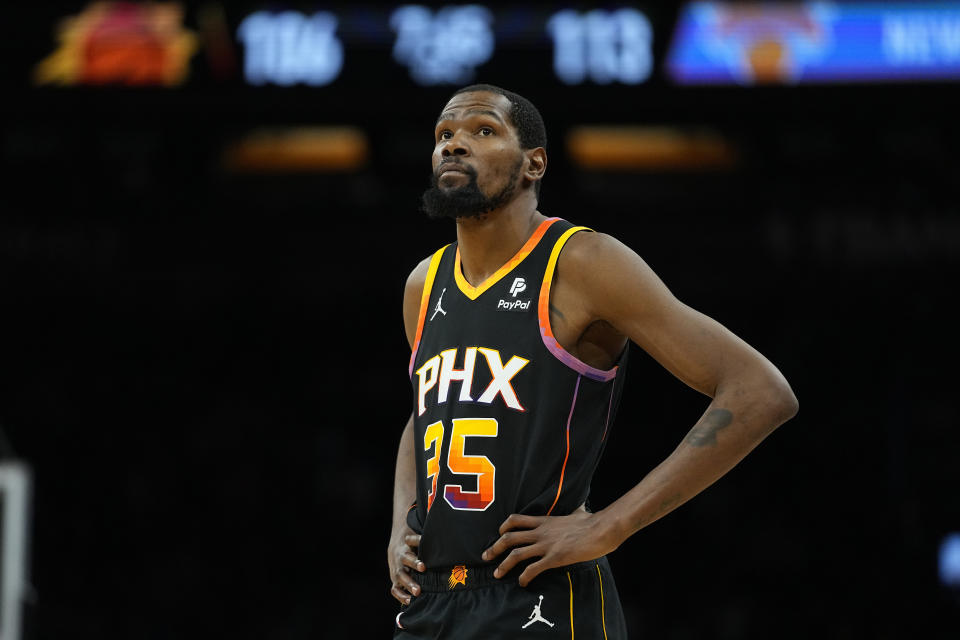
(727, 431)
(405, 479)
(402, 549)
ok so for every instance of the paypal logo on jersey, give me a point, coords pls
(513, 305)
(519, 286)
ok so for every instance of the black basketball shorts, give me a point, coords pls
(578, 601)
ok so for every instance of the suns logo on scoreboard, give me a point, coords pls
(121, 43)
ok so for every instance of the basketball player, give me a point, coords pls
(519, 333)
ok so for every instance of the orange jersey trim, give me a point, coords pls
(543, 311)
(424, 301)
(563, 469)
(473, 292)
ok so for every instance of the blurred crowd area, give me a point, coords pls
(205, 366)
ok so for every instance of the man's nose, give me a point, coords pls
(455, 147)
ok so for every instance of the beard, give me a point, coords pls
(467, 201)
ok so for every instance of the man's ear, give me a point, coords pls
(536, 164)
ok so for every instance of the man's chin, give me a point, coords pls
(453, 202)
(458, 189)
(453, 180)
(462, 200)
(455, 213)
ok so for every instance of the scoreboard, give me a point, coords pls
(357, 45)
(450, 44)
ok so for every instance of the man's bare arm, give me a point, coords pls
(401, 551)
(750, 398)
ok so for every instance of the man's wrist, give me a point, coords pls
(399, 531)
(611, 528)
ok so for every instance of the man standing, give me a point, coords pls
(519, 334)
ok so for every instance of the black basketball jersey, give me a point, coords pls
(505, 420)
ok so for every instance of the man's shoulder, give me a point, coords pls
(412, 296)
(593, 262)
(418, 276)
(584, 247)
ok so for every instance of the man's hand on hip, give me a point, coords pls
(556, 540)
(401, 558)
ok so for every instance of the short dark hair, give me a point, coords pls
(524, 117)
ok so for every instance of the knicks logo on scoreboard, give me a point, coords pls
(438, 372)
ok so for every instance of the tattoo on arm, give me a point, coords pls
(704, 433)
(669, 503)
(556, 312)
(666, 505)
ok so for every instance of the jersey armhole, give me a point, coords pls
(543, 315)
(424, 301)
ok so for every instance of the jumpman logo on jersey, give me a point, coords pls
(536, 617)
(439, 309)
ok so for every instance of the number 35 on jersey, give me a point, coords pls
(462, 464)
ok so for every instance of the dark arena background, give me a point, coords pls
(208, 214)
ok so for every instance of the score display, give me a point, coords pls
(398, 46)
(320, 45)
(446, 46)
(602, 46)
(291, 48)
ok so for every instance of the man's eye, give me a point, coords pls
(446, 135)
(486, 131)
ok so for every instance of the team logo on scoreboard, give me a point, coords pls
(121, 43)
(752, 44)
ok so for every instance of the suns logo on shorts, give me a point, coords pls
(458, 575)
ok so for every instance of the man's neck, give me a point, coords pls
(487, 242)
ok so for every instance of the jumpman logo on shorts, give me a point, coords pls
(536, 617)
(439, 309)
